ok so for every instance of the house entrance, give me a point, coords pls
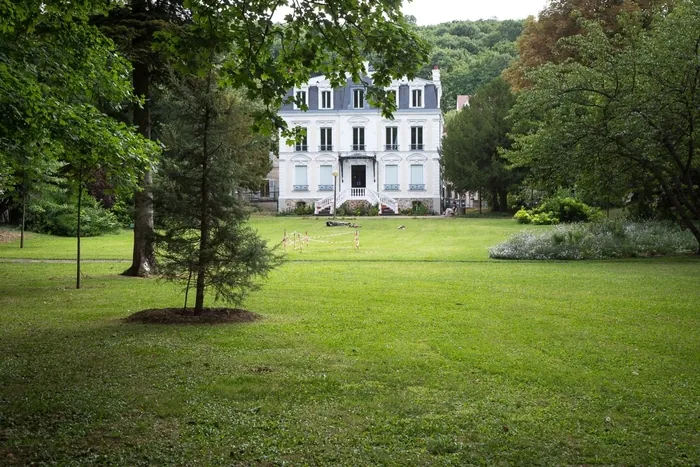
(358, 176)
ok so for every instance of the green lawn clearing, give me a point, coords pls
(416, 350)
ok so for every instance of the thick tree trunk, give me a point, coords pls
(143, 260)
(504, 200)
(24, 211)
(80, 206)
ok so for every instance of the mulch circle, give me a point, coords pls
(187, 316)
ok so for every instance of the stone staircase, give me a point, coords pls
(387, 205)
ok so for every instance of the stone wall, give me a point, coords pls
(291, 204)
(430, 203)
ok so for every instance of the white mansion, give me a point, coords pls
(349, 147)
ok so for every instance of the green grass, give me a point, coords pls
(360, 360)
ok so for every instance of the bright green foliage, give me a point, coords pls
(558, 209)
(57, 215)
(54, 68)
(470, 54)
(471, 157)
(523, 216)
(598, 240)
(627, 114)
(268, 58)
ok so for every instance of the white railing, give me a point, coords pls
(366, 194)
(357, 193)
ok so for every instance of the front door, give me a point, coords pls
(358, 175)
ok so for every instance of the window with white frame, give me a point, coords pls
(392, 139)
(326, 178)
(416, 98)
(417, 138)
(302, 145)
(326, 99)
(301, 97)
(358, 99)
(358, 138)
(391, 177)
(326, 139)
(417, 182)
(301, 181)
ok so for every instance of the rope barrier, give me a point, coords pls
(298, 241)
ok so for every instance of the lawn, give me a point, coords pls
(415, 350)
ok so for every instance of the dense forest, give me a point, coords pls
(470, 53)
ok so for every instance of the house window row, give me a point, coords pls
(358, 98)
(391, 178)
(358, 139)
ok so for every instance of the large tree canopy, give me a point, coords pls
(628, 111)
(540, 40)
(470, 53)
(475, 135)
(54, 69)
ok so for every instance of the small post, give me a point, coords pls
(335, 191)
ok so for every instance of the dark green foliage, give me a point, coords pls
(476, 135)
(58, 215)
(303, 209)
(624, 118)
(210, 155)
(470, 54)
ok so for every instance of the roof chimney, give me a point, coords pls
(436, 74)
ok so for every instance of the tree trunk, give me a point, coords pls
(204, 222)
(143, 260)
(24, 210)
(504, 200)
(80, 206)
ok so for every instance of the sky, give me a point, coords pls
(441, 11)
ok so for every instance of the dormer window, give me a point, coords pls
(416, 98)
(326, 99)
(301, 96)
(358, 99)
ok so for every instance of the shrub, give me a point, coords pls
(302, 209)
(59, 216)
(419, 209)
(567, 210)
(522, 216)
(598, 240)
(558, 209)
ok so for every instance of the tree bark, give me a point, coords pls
(143, 261)
(80, 206)
(204, 221)
(24, 210)
(504, 200)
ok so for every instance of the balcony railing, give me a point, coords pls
(416, 187)
(358, 147)
(325, 147)
(418, 147)
(301, 187)
(391, 147)
(301, 147)
(392, 187)
(325, 188)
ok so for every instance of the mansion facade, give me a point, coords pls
(352, 153)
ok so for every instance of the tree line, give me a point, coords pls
(603, 100)
(174, 103)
